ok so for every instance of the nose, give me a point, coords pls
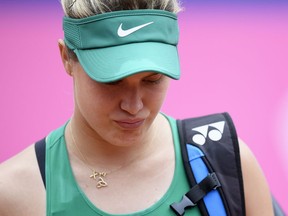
(132, 101)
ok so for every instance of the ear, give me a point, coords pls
(66, 60)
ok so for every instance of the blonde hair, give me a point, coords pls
(86, 8)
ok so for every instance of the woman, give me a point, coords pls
(117, 154)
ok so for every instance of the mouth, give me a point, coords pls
(130, 124)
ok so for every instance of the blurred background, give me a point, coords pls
(234, 58)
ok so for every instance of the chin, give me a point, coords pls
(128, 139)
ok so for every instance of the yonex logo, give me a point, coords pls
(123, 33)
(215, 134)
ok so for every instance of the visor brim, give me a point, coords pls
(114, 63)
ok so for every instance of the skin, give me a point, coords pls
(117, 126)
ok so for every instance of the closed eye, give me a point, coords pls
(154, 79)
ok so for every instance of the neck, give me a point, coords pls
(102, 154)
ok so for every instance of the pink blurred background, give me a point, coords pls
(234, 58)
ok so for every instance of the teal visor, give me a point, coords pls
(114, 45)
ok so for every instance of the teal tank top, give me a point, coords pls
(65, 197)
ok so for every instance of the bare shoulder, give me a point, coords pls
(21, 187)
(257, 193)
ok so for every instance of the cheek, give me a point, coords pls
(91, 100)
(95, 100)
(161, 90)
(157, 94)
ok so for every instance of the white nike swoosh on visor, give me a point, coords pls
(124, 33)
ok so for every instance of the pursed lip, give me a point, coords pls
(130, 123)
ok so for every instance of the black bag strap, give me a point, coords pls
(218, 154)
(196, 194)
(230, 179)
(40, 150)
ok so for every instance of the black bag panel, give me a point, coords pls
(216, 136)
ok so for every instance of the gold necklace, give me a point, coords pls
(97, 176)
